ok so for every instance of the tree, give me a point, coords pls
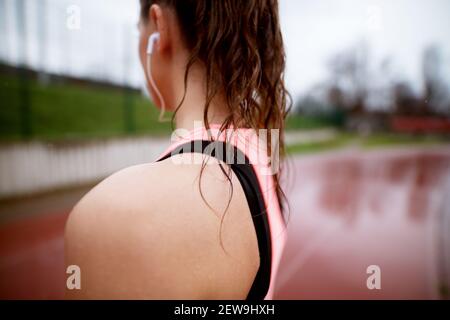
(436, 93)
(349, 74)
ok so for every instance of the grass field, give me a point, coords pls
(385, 140)
(75, 111)
(65, 111)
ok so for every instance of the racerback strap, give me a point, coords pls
(245, 172)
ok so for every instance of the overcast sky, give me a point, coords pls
(314, 30)
(398, 29)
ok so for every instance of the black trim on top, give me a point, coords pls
(245, 172)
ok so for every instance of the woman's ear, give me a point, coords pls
(159, 20)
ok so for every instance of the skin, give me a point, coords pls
(145, 232)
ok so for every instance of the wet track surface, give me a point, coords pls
(349, 210)
(32, 257)
(354, 210)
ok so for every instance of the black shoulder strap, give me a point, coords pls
(245, 172)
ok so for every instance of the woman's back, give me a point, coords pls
(161, 240)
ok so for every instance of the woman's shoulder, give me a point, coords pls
(151, 225)
(172, 184)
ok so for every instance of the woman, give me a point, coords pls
(183, 229)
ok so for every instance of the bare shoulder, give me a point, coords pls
(148, 232)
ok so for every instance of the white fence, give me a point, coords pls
(33, 167)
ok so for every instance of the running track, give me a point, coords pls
(349, 209)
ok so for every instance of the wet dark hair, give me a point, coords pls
(241, 46)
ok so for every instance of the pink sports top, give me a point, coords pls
(245, 153)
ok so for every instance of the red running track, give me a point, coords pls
(32, 257)
(349, 210)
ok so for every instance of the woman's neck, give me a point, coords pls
(191, 112)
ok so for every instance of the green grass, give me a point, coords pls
(306, 123)
(310, 122)
(391, 139)
(70, 111)
(378, 140)
(341, 140)
(77, 111)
